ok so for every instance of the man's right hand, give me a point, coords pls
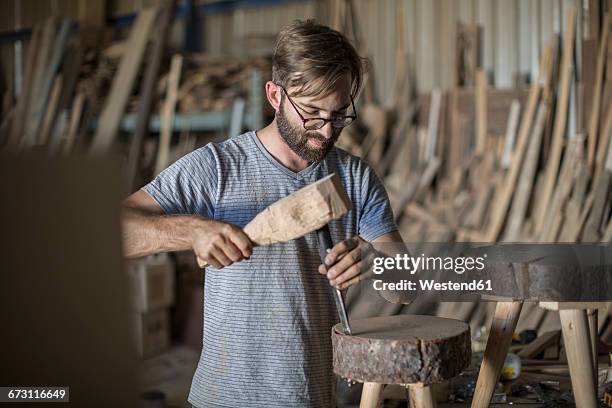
(146, 230)
(220, 244)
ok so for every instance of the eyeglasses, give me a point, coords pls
(338, 122)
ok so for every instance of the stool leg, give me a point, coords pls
(500, 337)
(420, 396)
(371, 395)
(576, 336)
(592, 314)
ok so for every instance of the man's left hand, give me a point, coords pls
(345, 263)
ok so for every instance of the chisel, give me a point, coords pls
(325, 243)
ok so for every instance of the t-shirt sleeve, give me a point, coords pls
(189, 185)
(376, 214)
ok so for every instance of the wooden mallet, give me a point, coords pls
(299, 213)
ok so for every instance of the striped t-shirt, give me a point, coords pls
(267, 320)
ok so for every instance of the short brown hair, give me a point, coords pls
(312, 57)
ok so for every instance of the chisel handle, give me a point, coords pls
(325, 243)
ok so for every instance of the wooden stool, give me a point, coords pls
(581, 352)
(545, 272)
(408, 349)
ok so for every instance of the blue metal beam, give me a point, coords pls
(125, 20)
(196, 122)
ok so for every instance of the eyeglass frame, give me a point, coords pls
(325, 120)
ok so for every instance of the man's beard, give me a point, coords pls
(297, 139)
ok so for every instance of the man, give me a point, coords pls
(267, 312)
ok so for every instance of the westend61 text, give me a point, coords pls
(431, 285)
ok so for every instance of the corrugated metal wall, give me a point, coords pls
(513, 31)
(224, 32)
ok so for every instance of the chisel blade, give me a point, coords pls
(325, 243)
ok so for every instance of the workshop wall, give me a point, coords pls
(514, 31)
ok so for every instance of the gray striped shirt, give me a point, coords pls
(267, 320)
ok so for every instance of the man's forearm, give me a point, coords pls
(145, 233)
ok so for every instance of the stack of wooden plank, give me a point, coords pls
(43, 113)
(69, 90)
(77, 92)
(66, 85)
(506, 165)
(212, 84)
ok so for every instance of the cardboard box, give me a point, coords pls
(152, 283)
(152, 331)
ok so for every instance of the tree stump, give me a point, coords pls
(405, 349)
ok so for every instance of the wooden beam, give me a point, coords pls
(525, 184)
(592, 230)
(500, 337)
(433, 124)
(560, 118)
(513, 120)
(371, 395)
(481, 111)
(147, 95)
(123, 82)
(587, 80)
(597, 91)
(400, 135)
(71, 67)
(338, 14)
(43, 86)
(75, 120)
(592, 316)
(375, 119)
(576, 211)
(50, 113)
(603, 152)
(554, 213)
(592, 26)
(167, 118)
(502, 203)
(26, 89)
(420, 396)
(576, 336)
(401, 74)
(416, 186)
